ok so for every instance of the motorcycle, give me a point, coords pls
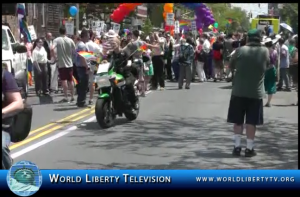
(113, 97)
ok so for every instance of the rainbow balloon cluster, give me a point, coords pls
(204, 16)
(122, 11)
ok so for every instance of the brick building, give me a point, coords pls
(43, 16)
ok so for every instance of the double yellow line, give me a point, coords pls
(49, 128)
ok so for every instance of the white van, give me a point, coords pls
(15, 59)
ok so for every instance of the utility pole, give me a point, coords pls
(77, 20)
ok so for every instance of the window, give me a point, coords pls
(11, 37)
(5, 45)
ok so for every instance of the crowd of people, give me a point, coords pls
(255, 63)
(175, 58)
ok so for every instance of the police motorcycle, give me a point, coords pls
(112, 98)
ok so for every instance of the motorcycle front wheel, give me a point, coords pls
(104, 113)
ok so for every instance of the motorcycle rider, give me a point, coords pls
(119, 61)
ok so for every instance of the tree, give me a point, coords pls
(222, 13)
(289, 15)
(155, 13)
(147, 28)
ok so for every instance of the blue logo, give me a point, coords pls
(24, 178)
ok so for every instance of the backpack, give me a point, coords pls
(184, 53)
(20, 123)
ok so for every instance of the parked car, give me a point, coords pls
(14, 59)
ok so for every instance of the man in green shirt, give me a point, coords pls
(250, 62)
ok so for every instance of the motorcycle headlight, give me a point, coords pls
(102, 81)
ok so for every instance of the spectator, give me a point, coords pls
(65, 48)
(284, 66)
(228, 49)
(293, 51)
(206, 49)
(270, 75)
(168, 56)
(48, 42)
(186, 58)
(158, 63)
(39, 59)
(93, 47)
(217, 49)
(175, 65)
(246, 103)
(200, 61)
(82, 70)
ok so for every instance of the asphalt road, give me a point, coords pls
(47, 109)
(176, 129)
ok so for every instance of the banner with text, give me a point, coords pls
(158, 179)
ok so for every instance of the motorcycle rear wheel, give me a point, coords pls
(132, 116)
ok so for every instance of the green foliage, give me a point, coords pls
(289, 15)
(222, 12)
(155, 12)
(147, 28)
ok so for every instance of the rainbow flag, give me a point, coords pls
(88, 55)
(184, 23)
(22, 21)
(29, 78)
(74, 80)
(21, 9)
(143, 47)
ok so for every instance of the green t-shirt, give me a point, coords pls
(250, 62)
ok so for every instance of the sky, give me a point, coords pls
(253, 7)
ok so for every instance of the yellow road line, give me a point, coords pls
(26, 141)
(59, 121)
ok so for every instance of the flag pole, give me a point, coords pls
(77, 19)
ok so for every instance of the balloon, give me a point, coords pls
(168, 10)
(73, 10)
(130, 6)
(122, 6)
(168, 6)
(216, 25)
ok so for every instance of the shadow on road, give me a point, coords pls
(279, 105)
(66, 108)
(226, 87)
(42, 100)
(95, 127)
(173, 143)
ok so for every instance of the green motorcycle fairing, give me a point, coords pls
(118, 77)
(111, 72)
(104, 95)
